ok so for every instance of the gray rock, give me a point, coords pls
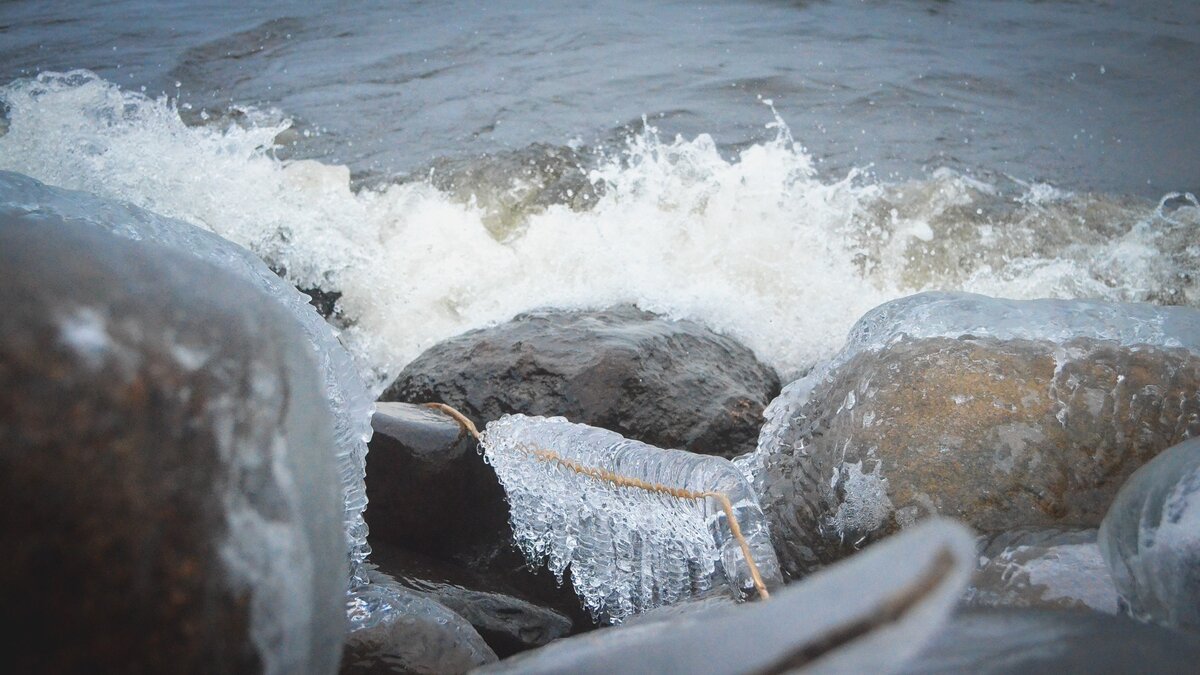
(672, 384)
(428, 488)
(866, 615)
(508, 622)
(1151, 538)
(170, 497)
(1051, 642)
(1000, 413)
(1049, 568)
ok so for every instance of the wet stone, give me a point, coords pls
(1049, 568)
(429, 489)
(413, 635)
(170, 499)
(508, 622)
(1151, 539)
(672, 384)
(1000, 433)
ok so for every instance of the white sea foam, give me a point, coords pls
(758, 245)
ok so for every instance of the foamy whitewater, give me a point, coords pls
(759, 245)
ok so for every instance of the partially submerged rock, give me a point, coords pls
(1000, 413)
(1034, 567)
(672, 384)
(1151, 538)
(867, 614)
(1007, 641)
(170, 498)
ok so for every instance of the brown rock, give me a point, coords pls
(997, 433)
(158, 418)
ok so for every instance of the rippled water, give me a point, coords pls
(475, 161)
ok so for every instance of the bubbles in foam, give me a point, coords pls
(758, 245)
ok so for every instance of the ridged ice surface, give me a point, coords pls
(344, 389)
(1151, 538)
(953, 315)
(627, 549)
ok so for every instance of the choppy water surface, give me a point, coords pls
(774, 169)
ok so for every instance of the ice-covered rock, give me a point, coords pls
(628, 548)
(505, 617)
(343, 387)
(1043, 568)
(398, 630)
(1001, 413)
(672, 384)
(170, 499)
(1151, 538)
(1009, 641)
(867, 614)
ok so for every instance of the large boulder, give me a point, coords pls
(672, 384)
(1151, 538)
(1000, 413)
(170, 497)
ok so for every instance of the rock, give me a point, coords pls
(1043, 568)
(429, 489)
(866, 615)
(508, 623)
(672, 384)
(1023, 641)
(170, 498)
(1000, 413)
(342, 386)
(1151, 538)
(407, 632)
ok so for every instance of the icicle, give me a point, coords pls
(637, 525)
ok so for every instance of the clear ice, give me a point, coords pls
(951, 315)
(344, 389)
(628, 549)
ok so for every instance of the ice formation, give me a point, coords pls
(628, 549)
(953, 315)
(1151, 538)
(343, 387)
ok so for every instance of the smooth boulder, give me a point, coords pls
(170, 497)
(672, 384)
(1151, 539)
(1000, 413)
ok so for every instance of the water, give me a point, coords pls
(479, 161)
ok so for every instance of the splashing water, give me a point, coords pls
(757, 246)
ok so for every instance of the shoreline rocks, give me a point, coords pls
(672, 384)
